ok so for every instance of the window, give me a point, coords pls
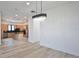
(11, 27)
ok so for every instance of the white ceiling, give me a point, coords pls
(10, 8)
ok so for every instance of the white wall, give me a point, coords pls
(61, 29)
(34, 30)
(30, 34)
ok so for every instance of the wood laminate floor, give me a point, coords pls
(32, 50)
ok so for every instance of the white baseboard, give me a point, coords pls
(73, 53)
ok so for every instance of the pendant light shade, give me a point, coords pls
(40, 17)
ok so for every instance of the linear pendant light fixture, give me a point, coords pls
(41, 16)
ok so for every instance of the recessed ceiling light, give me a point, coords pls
(16, 15)
(28, 3)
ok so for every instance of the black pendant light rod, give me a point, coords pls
(41, 14)
(41, 6)
(36, 6)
